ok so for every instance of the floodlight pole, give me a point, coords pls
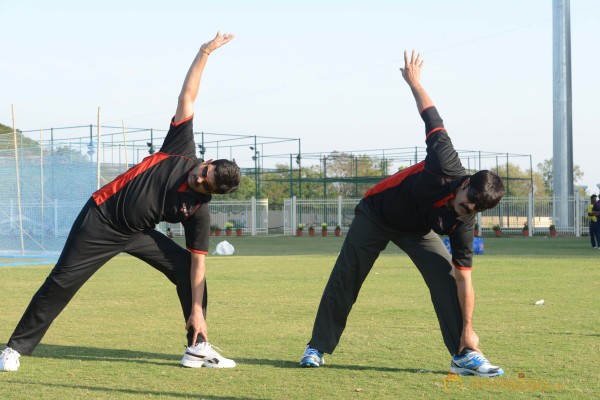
(562, 165)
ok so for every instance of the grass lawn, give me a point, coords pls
(123, 334)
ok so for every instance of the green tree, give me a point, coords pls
(7, 141)
(353, 174)
(517, 182)
(244, 192)
(545, 169)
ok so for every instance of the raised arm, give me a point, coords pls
(191, 84)
(412, 75)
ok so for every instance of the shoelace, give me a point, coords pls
(480, 357)
(210, 349)
(312, 352)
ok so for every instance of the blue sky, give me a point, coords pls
(323, 71)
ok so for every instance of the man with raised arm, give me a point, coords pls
(411, 209)
(171, 185)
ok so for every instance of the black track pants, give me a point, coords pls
(365, 240)
(595, 233)
(91, 243)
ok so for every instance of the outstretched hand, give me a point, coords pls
(412, 68)
(219, 40)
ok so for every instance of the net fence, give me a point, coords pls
(38, 208)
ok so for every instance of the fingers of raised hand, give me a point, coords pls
(222, 38)
(415, 59)
(418, 60)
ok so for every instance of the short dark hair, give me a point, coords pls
(227, 176)
(488, 188)
(592, 197)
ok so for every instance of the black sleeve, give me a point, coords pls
(442, 158)
(461, 242)
(432, 119)
(180, 139)
(197, 230)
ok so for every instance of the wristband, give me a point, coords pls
(205, 51)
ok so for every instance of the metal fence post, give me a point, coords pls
(294, 215)
(339, 211)
(577, 216)
(530, 213)
(253, 216)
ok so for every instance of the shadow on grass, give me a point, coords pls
(571, 334)
(105, 354)
(295, 365)
(129, 391)
(143, 357)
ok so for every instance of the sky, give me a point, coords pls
(326, 72)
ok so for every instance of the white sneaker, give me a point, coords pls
(204, 355)
(9, 360)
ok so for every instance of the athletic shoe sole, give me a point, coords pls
(191, 361)
(467, 371)
(188, 362)
(310, 362)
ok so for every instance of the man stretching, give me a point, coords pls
(171, 185)
(411, 209)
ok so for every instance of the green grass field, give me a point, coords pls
(123, 334)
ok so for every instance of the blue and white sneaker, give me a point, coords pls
(473, 363)
(312, 358)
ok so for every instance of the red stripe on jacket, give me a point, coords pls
(173, 123)
(198, 251)
(431, 132)
(395, 179)
(103, 194)
(443, 201)
(461, 268)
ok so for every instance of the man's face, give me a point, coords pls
(201, 178)
(464, 201)
(593, 199)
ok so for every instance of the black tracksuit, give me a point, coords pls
(121, 217)
(410, 209)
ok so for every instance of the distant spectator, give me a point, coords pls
(593, 212)
(169, 233)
